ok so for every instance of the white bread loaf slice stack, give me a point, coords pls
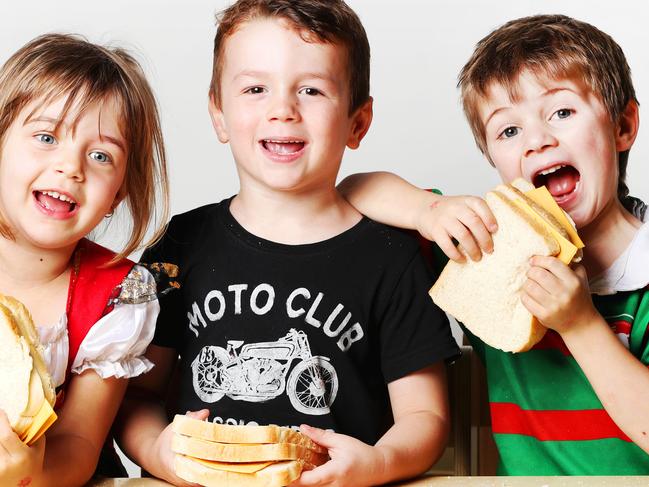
(224, 455)
(484, 295)
(26, 390)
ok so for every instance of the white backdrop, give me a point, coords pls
(418, 47)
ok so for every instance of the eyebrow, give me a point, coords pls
(545, 94)
(262, 74)
(56, 122)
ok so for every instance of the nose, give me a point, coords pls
(283, 107)
(70, 164)
(538, 137)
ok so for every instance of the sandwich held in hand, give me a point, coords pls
(27, 394)
(223, 455)
(485, 295)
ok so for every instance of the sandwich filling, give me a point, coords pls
(561, 180)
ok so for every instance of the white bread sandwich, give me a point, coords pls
(484, 295)
(224, 455)
(26, 390)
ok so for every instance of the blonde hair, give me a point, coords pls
(555, 46)
(55, 65)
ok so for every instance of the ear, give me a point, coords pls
(218, 120)
(627, 127)
(361, 120)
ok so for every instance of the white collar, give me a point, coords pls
(630, 271)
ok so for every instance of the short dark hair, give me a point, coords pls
(330, 21)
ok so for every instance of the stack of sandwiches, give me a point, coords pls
(243, 456)
(26, 392)
(485, 295)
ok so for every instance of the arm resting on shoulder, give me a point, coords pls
(387, 198)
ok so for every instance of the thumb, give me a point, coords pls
(321, 437)
(202, 414)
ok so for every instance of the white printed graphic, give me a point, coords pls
(258, 373)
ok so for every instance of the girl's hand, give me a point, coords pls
(20, 465)
(165, 456)
(353, 463)
(557, 295)
(467, 219)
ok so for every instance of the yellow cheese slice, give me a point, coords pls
(542, 197)
(41, 422)
(568, 250)
(246, 467)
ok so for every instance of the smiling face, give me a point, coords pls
(556, 133)
(284, 108)
(58, 178)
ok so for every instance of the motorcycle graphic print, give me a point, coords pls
(258, 373)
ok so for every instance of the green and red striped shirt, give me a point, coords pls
(546, 418)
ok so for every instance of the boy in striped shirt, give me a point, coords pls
(550, 99)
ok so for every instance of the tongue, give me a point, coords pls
(562, 181)
(54, 204)
(283, 148)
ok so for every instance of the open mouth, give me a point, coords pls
(283, 147)
(561, 180)
(55, 202)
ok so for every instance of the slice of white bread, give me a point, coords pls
(15, 371)
(23, 320)
(275, 475)
(251, 452)
(485, 295)
(221, 433)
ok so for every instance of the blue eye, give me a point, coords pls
(310, 91)
(46, 139)
(100, 157)
(509, 132)
(563, 113)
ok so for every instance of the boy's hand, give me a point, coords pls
(353, 463)
(558, 295)
(164, 465)
(20, 465)
(467, 219)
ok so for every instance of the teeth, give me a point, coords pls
(283, 141)
(550, 170)
(57, 195)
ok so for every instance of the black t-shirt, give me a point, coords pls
(287, 334)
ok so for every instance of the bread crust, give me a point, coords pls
(229, 452)
(222, 433)
(275, 475)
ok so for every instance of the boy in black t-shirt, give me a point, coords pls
(287, 306)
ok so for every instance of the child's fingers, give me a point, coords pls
(478, 230)
(325, 438)
(445, 243)
(465, 239)
(544, 279)
(321, 475)
(202, 414)
(531, 304)
(8, 439)
(553, 265)
(482, 209)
